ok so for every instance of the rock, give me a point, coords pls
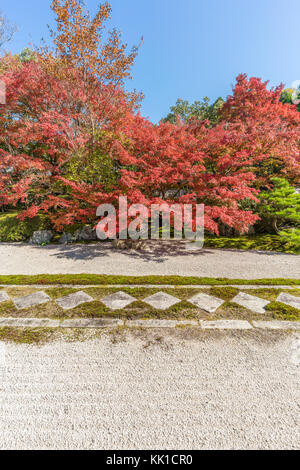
(129, 244)
(86, 233)
(66, 238)
(41, 237)
(119, 244)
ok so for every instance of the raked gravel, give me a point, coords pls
(207, 390)
(162, 259)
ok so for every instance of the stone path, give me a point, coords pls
(163, 259)
(113, 322)
(159, 301)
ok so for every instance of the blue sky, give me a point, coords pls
(192, 48)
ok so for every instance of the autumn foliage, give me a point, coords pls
(71, 139)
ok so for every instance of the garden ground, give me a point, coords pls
(130, 387)
(176, 389)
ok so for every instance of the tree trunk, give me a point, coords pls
(274, 225)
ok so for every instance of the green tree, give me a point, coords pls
(27, 55)
(199, 110)
(291, 96)
(281, 204)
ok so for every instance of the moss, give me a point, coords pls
(8, 309)
(266, 294)
(89, 310)
(225, 293)
(256, 242)
(232, 311)
(282, 311)
(95, 279)
(295, 292)
(20, 291)
(57, 292)
(13, 229)
(26, 335)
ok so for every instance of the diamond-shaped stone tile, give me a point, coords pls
(37, 298)
(206, 302)
(118, 300)
(4, 297)
(161, 300)
(289, 299)
(255, 304)
(73, 300)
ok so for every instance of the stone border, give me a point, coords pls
(113, 322)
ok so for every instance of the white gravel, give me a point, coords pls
(214, 391)
(163, 260)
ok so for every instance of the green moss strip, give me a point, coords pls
(95, 279)
(264, 242)
(282, 311)
(26, 335)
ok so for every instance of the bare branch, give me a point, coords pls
(7, 30)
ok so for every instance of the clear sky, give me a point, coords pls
(192, 48)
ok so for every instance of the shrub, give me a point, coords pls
(291, 238)
(14, 230)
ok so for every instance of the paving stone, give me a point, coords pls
(91, 323)
(152, 323)
(226, 324)
(206, 302)
(161, 300)
(255, 304)
(73, 300)
(277, 325)
(37, 298)
(118, 300)
(4, 297)
(161, 323)
(29, 322)
(289, 299)
(187, 323)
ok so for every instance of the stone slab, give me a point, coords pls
(289, 299)
(226, 324)
(29, 322)
(277, 325)
(161, 300)
(74, 300)
(118, 300)
(251, 302)
(4, 297)
(152, 323)
(206, 302)
(91, 323)
(37, 298)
